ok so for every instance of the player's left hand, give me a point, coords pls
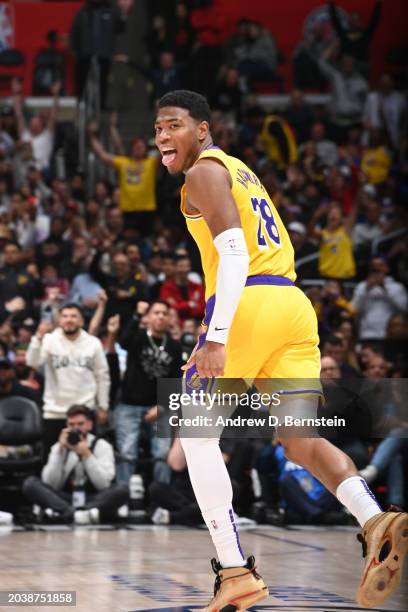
(209, 360)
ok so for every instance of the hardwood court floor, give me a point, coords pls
(167, 569)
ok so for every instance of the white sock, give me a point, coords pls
(212, 487)
(358, 499)
(221, 525)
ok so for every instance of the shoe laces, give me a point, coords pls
(363, 543)
(216, 567)
(250, 564)
(362, 539)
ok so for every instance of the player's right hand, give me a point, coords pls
(209, 360)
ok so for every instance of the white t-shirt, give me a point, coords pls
(42, 146)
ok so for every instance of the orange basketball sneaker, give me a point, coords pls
(385, 544)
(236, 588)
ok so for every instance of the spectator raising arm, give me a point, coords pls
(324, 62)
(335, 20)
(343, 34)
(314, 229)
(114, 132)
(95, 322)
(113, 326)
(102, 378)
(55, 90)
(374, 19)
(37, 351)
(97, 146)
(128, 334)
(17, 92)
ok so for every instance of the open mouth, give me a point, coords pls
(168, 156)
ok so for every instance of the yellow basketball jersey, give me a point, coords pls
(269, 247)
(137, 182)
(336, 259)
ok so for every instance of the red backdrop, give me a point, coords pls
(285, 19)
(32, 21)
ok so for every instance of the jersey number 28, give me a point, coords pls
(267, 227)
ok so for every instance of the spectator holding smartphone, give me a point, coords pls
(376, 299)
(75, 369)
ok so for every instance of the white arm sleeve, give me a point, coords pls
(231, 278)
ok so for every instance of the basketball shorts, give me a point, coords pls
(273, 336)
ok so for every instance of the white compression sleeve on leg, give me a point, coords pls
(231, 277)
(213, 491)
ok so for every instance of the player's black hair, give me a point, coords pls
(192, 101)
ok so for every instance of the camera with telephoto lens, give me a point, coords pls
(74, 437)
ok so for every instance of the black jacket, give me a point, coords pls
(145, 364)
(94, 29)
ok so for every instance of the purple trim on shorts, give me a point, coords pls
(368, 490)
(268, 279)
(283, 392)
(256, 279)
(231, 515)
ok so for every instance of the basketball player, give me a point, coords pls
(259, 326)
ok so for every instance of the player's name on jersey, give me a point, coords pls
(261, 421)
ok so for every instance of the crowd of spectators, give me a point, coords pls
(101, 292)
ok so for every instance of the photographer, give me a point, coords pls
(76, 483)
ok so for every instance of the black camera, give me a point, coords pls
(74, 436)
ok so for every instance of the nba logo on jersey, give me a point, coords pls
(214, 524)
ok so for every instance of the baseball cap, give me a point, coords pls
(296, 226)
